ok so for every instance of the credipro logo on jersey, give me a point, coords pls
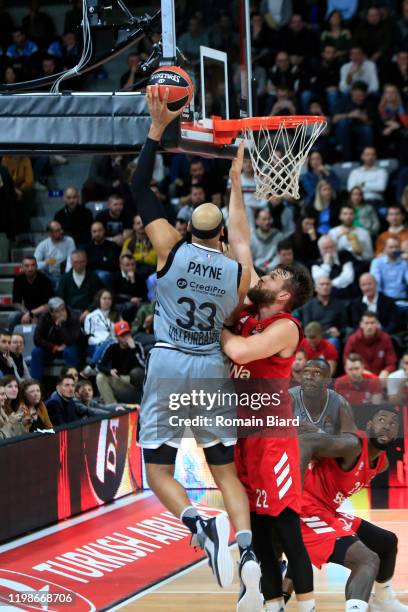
(198, 287)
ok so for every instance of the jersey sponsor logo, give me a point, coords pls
(209, 289)
(239, 371)
(207, 271)
(182, 283)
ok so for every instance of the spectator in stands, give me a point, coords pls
(191, 41)
(282, 213)
(358, 386)
(9, 428)
(326, 310)
(281, 74)
(397, 383)
(391, 271)
(370, 177)
(75, 220)
(297, 367)
(262, 39)
(374, 35)
(305, 240)
(70, 371)
(117, 223)
(264, 241)
(7, 366)
(396, 228)
(393, 122)
(356, 240)
(324, 78)
(248, 186)
(32, 405)
(297, 37)
(365, 215)
(21, 171)
(197, 196)
(324, 208)
(99, 323)
(22, 46)
(317, 171)
(57, 335)
(276, 15)
(181, 226)
(79, 286)
(17, 346)
(38, 25)
(374, 301)
(316, 347)
(354, 122)
(285, 256)
(337, 265)
(102, 254)
(12, 394)
(397, 72)
(360, 69)
(129, 288)
(140, 247)
(373, 345)
(53, 255)
(31, 292)
(128, 79)
(87, 406)
(122, 366)
(336, 36)
(61, 406)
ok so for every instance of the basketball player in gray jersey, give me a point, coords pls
(198, 289)
(319, 408)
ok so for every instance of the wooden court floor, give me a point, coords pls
(197, 590)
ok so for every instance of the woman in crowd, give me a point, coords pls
(9, 427)
(98, 324)
(317, 171)
(336, 36)
(365, 215)
(70, 371)
(324, 208)
(33, 407)
(304, 240)
(393, 122)
(140, 247)
(12, 390)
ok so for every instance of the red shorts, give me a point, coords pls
(269, 469)
(320, 529)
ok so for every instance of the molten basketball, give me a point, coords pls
(180, 85)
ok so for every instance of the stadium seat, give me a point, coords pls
(343, 170)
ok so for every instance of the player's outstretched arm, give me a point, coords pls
(160, 232)
(346, 446)
(239, 232)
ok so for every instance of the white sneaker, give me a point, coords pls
(213, 538)
(250, 596)
(387, 605)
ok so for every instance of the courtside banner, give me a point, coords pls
(49, 477)
(100, 561)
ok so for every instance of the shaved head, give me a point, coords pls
(206, 219)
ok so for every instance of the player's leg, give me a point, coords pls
(265, 541)
(287, 525)
(385, 544)
(364, 564)
(220, 460)
(211, 534)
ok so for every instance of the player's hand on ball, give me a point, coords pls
(158, 109)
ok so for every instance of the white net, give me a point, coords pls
(278, 156)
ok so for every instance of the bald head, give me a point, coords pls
(206, 221)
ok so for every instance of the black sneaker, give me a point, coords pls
(250, 595)
(213, 538)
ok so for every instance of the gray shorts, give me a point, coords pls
(173, 394)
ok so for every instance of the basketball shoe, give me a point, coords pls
(250, 597)
(389, 603)
(212, 536)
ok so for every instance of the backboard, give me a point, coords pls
(221, 71)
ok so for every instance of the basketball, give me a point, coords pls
(180, 85)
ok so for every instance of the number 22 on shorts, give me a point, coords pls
(261, 498)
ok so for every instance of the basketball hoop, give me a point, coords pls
(278, 147)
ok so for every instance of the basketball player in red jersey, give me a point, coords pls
(335, 468)
(264, 346)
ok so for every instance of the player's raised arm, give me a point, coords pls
(318, 445)
(239, 232)
(160, 232)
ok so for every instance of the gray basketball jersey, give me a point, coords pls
(329, 420)
(196, 291)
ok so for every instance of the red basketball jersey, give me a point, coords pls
(327, 484)
(269, 467)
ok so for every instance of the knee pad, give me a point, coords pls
(219, 454)
(164, 455)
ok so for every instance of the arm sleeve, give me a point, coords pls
(148, 205)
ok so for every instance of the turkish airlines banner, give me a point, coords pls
(50, 477)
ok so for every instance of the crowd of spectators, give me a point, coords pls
(88, 291)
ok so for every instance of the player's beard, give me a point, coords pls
(373, 440)
(262, 297)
